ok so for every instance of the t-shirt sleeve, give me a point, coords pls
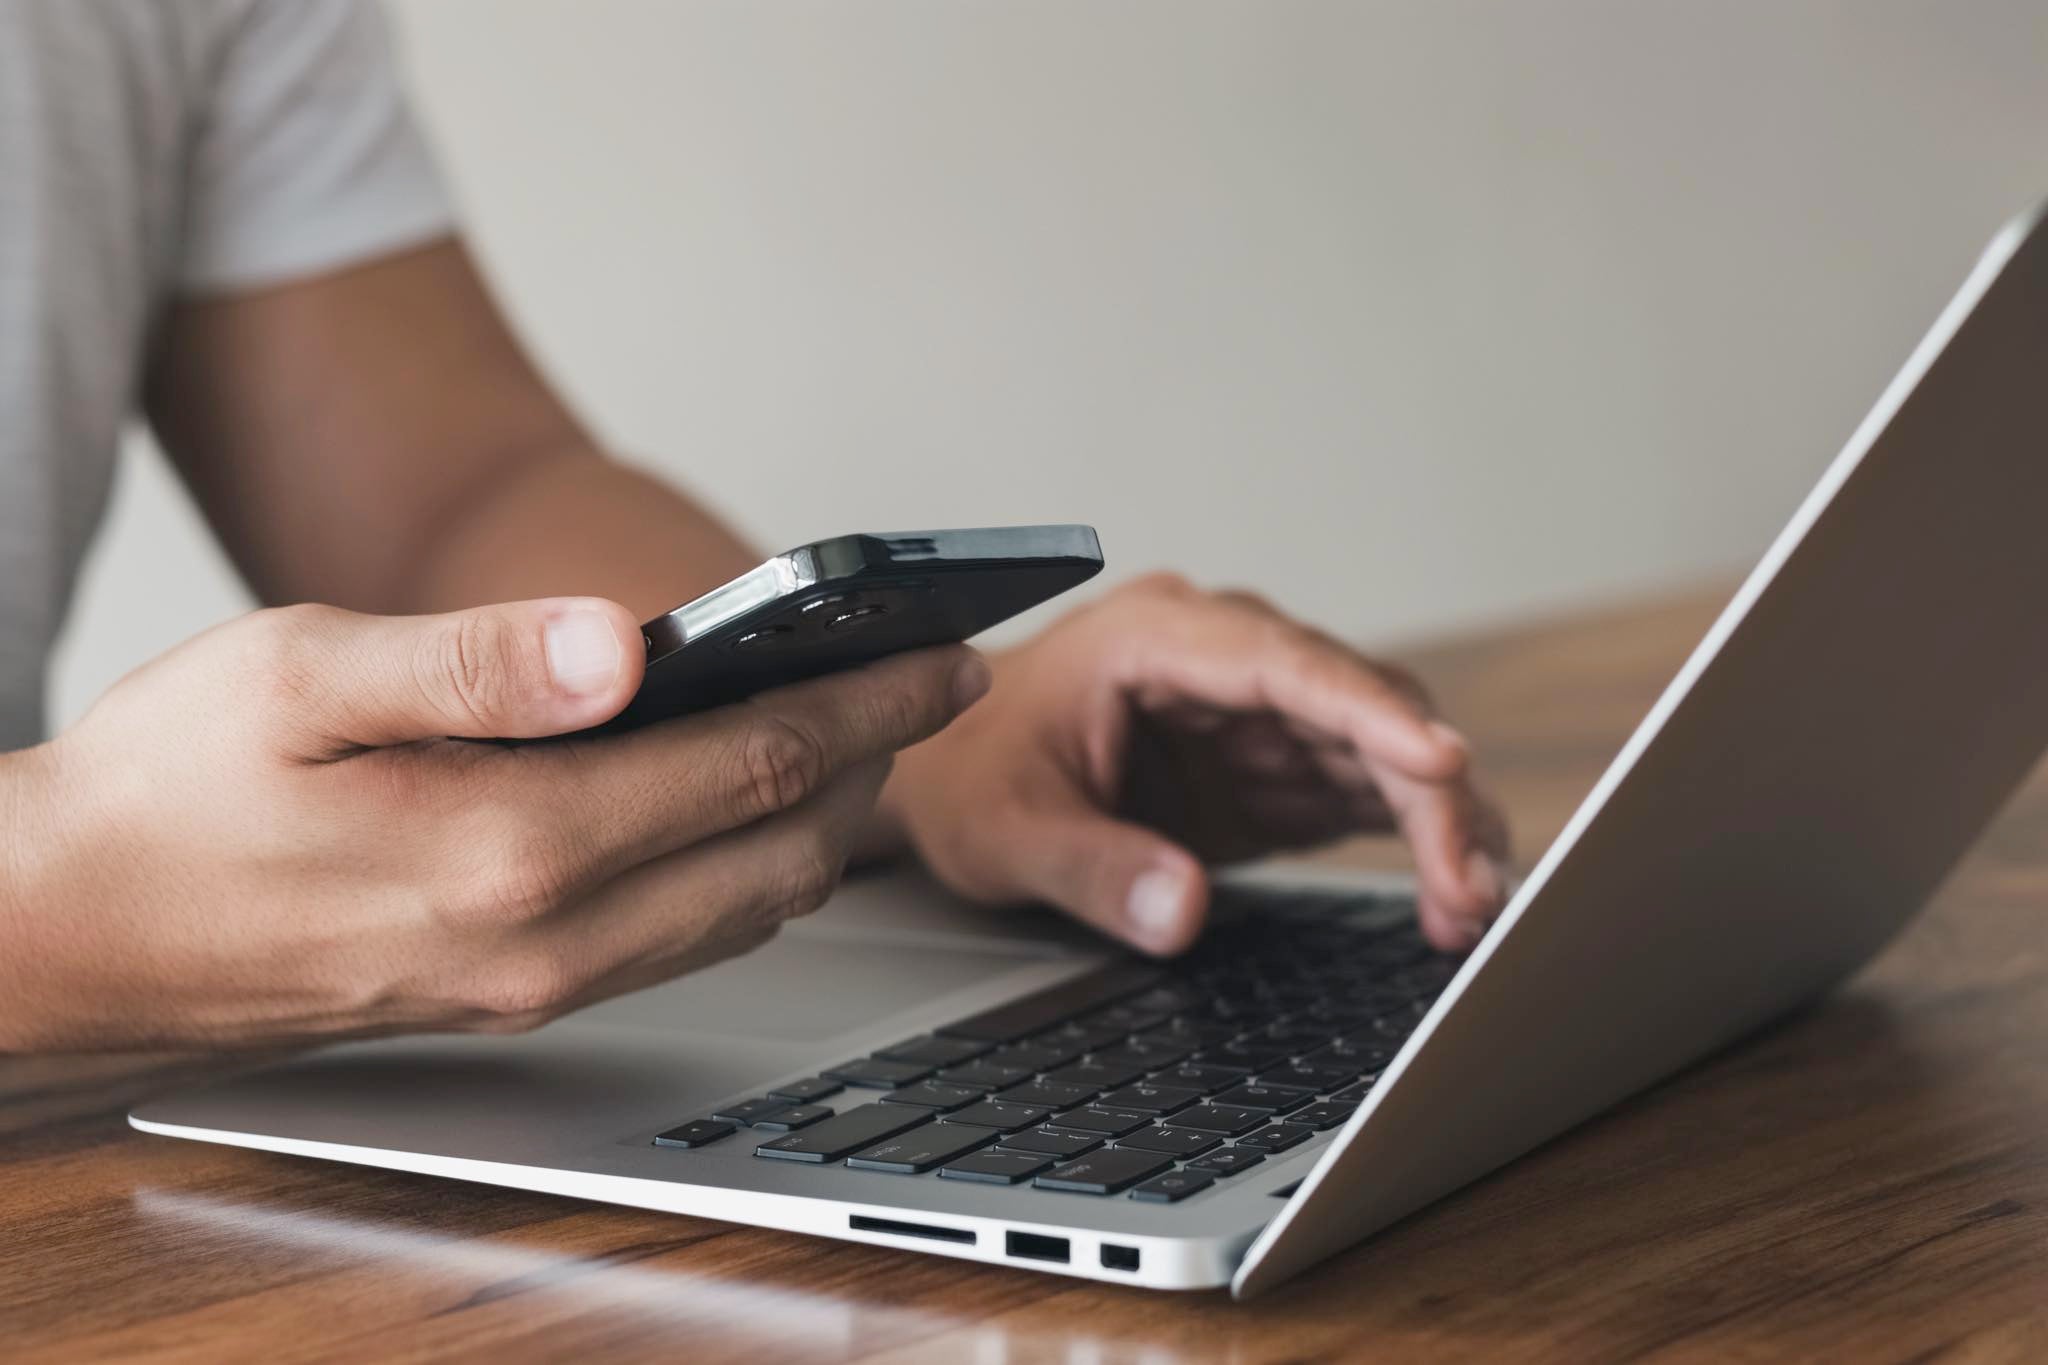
(306, 157)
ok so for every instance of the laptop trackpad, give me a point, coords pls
(808, 988)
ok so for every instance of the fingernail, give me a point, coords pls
(583, 652)
(971, 681)
(1484, 877)
(1154, 905)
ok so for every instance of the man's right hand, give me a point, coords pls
(267, 835)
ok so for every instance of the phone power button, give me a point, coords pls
(855, 619)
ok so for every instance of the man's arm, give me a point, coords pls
(376, 439)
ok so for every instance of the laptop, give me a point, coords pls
(905, 1071)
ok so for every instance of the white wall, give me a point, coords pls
(1412, 314)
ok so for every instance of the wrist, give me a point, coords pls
(25, 876)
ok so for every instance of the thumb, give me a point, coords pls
(516, 670)
(1128, 881)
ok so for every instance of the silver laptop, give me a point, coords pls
(1001, 1087)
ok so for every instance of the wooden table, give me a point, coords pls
(1867, 1181)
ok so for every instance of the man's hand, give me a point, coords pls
(1163, 727)
(266, 835)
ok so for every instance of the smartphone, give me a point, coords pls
(836, 603)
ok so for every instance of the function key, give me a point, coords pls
(876, 1074)
(807, 1091)
(1174, 1186)
(995, 1168)
(932, 1051)
(696, 1133)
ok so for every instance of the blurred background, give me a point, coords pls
(1415, 316)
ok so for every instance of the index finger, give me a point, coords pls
(614, 801)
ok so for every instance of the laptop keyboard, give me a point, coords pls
(1149, 1080)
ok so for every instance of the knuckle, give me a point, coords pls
(467, 664)
(527, 871)
(278, 647)
(521, 993)
(1165, 583)
(780, 763)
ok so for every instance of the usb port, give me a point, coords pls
(1029, 1246)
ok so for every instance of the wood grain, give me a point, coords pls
(1866, 1181)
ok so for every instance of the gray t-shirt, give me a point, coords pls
(148, 149)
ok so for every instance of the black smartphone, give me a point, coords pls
(847, 601)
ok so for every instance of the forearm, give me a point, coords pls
(573, 523)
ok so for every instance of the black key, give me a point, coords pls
(695, 1133)
(1276, 1099)
(844, 1134)
(1079, 1038)
(990, 1074)
(1226, 1119)
(935, 1095)
(1127, 1018)
(1314, 1074)
(749, 1112)
(935, 1144)
(1229, 1161)
(1152, 1099)
(1052, 1094)
(1103, 1172)
(1349, 1050)
(807, 1091)
(1095, 1074)
(933, 1051)
(877, 1074)
(1056, 1004)
(1040, 1054)
(1110, 1122)
(1277, 1138)
(795, 1117)
(995, 1168)
(1191, 1031)
(1206, 1079)
(1174, 1186)
(1147, 1053)
(1046, 1143)
(1352, 1094)
(1006, 1118)
(1246, 1054)
(1177, 1142)
(1323, 1117)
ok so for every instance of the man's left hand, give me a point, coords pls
(1161, 729)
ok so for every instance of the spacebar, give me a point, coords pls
(1055, 1004)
